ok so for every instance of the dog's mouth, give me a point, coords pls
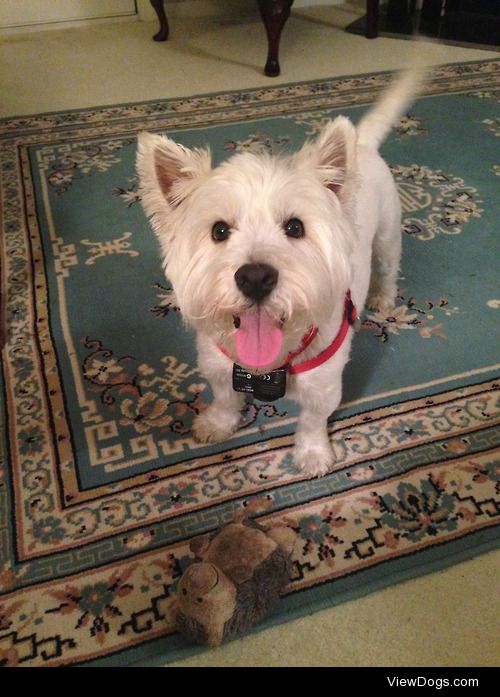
(259, 338)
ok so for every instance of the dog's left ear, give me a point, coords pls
(333, 155)
(168, 172)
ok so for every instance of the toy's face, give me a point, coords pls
(207, 595)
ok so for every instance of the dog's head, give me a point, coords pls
(258, 248)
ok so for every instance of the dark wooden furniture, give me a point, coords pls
(372, 8)
(274, 14)
(162, 34)
(458, 21)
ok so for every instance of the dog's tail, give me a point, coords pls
(377, 123)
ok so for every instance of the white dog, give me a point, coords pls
(271, 259)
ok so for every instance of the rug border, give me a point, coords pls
(431, 563)
(245, 90)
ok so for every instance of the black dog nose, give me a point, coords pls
(256, 281)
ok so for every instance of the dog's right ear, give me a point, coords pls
(333, 156)
(168, 172)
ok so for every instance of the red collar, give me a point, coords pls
(350, 317)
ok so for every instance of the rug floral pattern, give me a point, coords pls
(101, 484)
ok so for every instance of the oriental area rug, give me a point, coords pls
(101, 484)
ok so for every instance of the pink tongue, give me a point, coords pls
(258, 340)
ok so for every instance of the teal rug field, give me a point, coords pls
(101, 484)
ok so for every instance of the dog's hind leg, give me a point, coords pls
(386, 259)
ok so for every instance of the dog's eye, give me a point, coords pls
(220, 231)
(294, 228)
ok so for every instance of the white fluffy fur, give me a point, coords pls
(342, 191)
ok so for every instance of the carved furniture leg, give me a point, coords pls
(274, 14)
(162, 35)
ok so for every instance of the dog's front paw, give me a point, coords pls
(214, 426)
(315, 461)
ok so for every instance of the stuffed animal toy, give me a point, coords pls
(236, 578)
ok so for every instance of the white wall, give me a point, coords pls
(18, 13)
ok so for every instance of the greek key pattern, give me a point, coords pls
(382, 436)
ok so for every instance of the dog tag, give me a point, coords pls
(242, 380)
(271, 386)
(266, 387)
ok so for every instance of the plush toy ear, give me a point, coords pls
(240, 517)
(199, 545)
(168, 172)
(284, 536)
(333, 155)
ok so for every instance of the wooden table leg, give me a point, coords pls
(162, 35)
(274, 14)
(372, 7)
